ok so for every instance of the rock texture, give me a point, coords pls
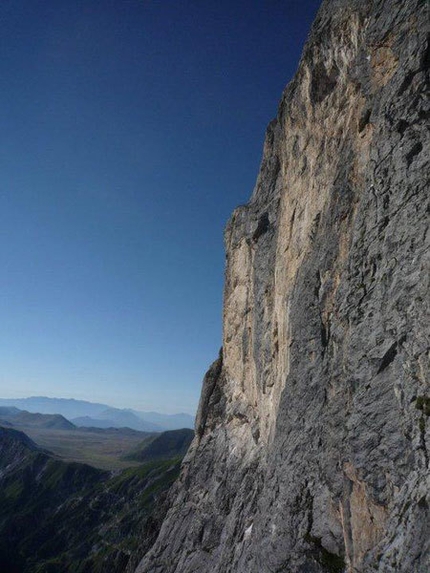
(312, 438)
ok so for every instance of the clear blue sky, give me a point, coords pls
(130, 131)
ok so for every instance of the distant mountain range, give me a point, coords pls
(83, 413)
(113, 418)
(16, 417)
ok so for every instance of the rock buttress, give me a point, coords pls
(312, 445)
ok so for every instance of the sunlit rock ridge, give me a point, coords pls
(312, 444)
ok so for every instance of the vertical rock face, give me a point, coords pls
(312, 445)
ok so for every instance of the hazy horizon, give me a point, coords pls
(133, 408)
(132, 130)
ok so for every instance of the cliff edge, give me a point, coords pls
(312, 440)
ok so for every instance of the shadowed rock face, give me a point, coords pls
(312, 440)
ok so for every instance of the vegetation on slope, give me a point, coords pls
(163, 446)
(74, 518)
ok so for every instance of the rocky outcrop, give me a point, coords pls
(312, 438)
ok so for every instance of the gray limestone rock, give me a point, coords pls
(313, 434)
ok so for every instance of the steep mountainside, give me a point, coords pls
(163, 446)
(312, 444)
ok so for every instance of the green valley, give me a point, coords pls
(58, 515)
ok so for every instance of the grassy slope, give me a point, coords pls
(69, 517)
(162, 446)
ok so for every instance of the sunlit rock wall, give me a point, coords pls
(312, 444)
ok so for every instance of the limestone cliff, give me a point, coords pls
(312, 446)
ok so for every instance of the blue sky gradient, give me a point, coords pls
(131, 129)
